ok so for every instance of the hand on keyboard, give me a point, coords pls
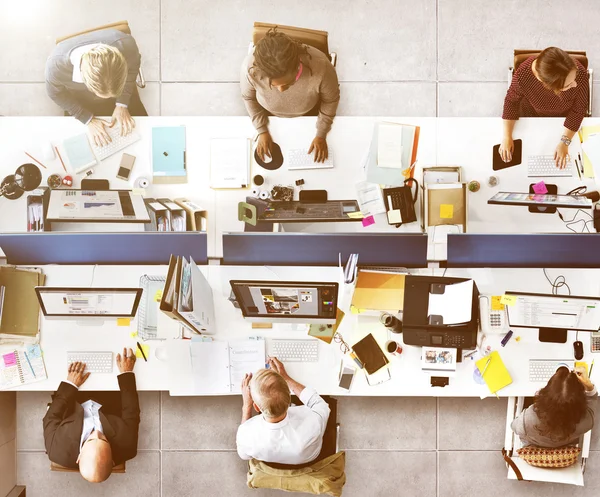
(561, 155)
(319, 145)
(98, 132)
(77, 374)
(122, 117)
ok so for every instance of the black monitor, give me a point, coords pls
(554, 315)
(564, 250)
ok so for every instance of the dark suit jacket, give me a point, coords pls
(63, 424)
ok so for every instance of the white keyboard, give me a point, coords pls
(95, 362)
(545, 165)
(117, 144)
(297, 158)
(543, 369)
(294, 350)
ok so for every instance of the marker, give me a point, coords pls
(506, 338)
(142, 351)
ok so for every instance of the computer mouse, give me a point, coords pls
(578, 350)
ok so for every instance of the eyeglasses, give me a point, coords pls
(344, 347)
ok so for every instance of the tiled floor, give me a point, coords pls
(396, 57)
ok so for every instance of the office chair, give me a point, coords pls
(313, 37)
(520, 56)
(573, 475)
(120, 468)
(122, 26)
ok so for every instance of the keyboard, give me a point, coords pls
(117, 144)
(95, 362)
(297, 158)
(595, 341)
(543, 369)
(544, 165)
(294, 350)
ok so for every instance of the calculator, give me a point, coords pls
(595, 341)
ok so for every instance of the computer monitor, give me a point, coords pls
(286, 301)
(554, 315)
(80, 303)
(538, 200)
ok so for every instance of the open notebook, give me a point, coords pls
(220, 367)
(21, 366)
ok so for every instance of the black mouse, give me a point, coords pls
(578, 350)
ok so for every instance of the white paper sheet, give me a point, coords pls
(229, 162)
(369, 197)
(389, 146)
(454, 305)
(245, 357)
(591, 147)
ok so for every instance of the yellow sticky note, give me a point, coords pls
(581, 364)
(158, 295)
(123, 321)
(355, 215)
(508, 299)
(446, 211)
(133, 334)
(497, 305)
(138, 352)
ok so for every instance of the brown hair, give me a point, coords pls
(278, 55)
(553, 65)
(560, 405)
(270, 392)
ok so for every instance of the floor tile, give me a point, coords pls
(26, 99)
(471, 424)
(369, 43)
(150, 97)
(387, 99)
(140, 480)
(386, 474)
(45, 21)
(217, 474)
(477, 37)
(202, 99)
(394, 423)
(471, 99)
(206, 423)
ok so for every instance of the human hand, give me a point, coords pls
(246, 394)
(127, 362)
(319, 145)
(506, 148)
(76, 373)
(561, 155)
(96, 128)
(582, 376)
(277, 366)
(264, 145)
(122, 117)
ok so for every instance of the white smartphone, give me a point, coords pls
(492, 319)
(346, 376)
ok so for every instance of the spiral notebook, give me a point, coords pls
(21, 367)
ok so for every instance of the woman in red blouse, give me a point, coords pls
(553, 84)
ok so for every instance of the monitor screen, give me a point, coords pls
(513, 198)
(278, 299)
(88, 302)
(566, 312)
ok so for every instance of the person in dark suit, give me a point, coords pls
(88, 435)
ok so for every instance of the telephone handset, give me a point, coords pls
(491, 319)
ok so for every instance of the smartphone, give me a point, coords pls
(346, 376)
(125, 167)
(498, 163)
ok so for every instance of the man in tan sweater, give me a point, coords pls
(288, 79)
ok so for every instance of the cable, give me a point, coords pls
(93, 274)
(574, 221)
(559, 282)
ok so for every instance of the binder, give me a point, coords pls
(379, 291)
(177, 214)
(169, 155)
(496, 375)
(196, 216)
(160, 217)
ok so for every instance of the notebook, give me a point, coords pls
(220, 367)
(79, 153)
(370, 354)
(169, 155)
(496, 375)
(21, 367)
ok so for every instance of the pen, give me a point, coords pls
(591, 368)
(142, 351)
(580, 162)
(577, 167)
(486, 366)
(32, 157)
(29, 362)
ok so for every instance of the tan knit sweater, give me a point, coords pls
(317, 84)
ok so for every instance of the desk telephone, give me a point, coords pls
(400, 203)
(491, 319)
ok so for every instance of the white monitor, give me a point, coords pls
(58, 302)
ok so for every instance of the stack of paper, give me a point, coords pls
(230, 162)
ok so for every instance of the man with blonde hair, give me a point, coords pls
(94, 74)
(281, 434)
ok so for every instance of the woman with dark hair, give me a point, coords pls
(553, 84)
(561, 411)
(285, 78)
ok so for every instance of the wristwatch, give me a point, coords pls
(565, 140)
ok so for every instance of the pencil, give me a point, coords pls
(486, 366)
(32, 157)
(591, 368)
(142, 351)
(61, 161)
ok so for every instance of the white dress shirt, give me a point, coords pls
(297, 439)
(91, 420)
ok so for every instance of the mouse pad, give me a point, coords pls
(276, 158)
(498, 163)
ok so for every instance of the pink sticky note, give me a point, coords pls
(540, 188)
(10, 359)
(368, 221)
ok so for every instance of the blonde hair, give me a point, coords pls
(104, 71)
(270, 393)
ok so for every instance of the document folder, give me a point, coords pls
(169, 155)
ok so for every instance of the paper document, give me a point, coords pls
(584, 133)
(389, 146)
(437, 241)
(245, 357)
(79, 153)
(591, 147)
(454, 305)
(369, 197)
(230, 162)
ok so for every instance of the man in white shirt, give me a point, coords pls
(87, 436)
(282, 433)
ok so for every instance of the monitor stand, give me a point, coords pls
(553, 335)
(93, 321)
(544, 209)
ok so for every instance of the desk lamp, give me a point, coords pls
(26, 178)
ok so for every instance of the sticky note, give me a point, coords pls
(123, 321)
(581, 364)
(508, 299)
(158, 295)
(133, 334)
(355, 215)
(496, 304)
(540, 188)
(10, 359)
(394, 216)
(446, 211)
(34, 351)
(368, 221)
(138, 352)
